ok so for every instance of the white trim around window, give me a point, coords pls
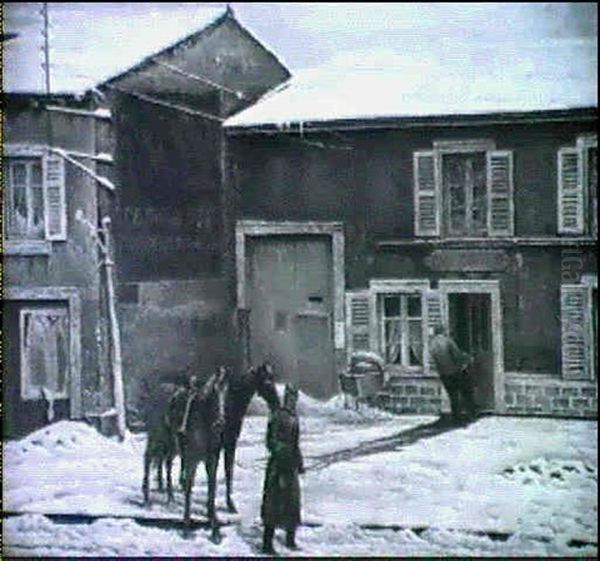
(70, 296)
(432, 201)
(53, 200)
(381, 287)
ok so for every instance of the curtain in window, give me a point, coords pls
(45, 352)
(393, 342)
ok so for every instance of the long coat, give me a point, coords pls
(281, 494)
(446, 355)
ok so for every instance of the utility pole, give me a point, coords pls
(104, 245)
(46, 67)
(115, 332)
(46, 47)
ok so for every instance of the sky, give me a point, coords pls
(491, 50)
(307, 35)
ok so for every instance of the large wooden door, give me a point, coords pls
(470, 320)
(290, 296)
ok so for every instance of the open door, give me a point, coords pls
(470, 323)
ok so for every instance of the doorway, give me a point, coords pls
(470, 325)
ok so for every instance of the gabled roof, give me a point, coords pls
(90, 43)
(565, 78)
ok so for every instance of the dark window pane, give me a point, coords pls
(391, 306)
(465, 190)
(414, 306)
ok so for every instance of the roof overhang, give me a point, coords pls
(405, 122)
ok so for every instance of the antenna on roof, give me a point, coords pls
(45, 33)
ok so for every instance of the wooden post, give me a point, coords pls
(117, 362)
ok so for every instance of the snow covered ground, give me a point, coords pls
(532, 482)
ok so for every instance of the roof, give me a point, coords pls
(564, 78)
(91, 43)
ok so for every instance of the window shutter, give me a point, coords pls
(574, 341)
(427, 222)
(54, 197)
(570, 192)
(433, 301)
(500, 193)
(357, 321)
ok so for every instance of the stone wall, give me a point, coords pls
(549, 395)
(422, 396)
(525, 394)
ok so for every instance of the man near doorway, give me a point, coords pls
(451, 364)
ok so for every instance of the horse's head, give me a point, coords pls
(262, 380)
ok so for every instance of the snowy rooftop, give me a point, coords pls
(92, 42)
(552, 76)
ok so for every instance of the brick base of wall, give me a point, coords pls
(525, 394)
(422, 396)
(530, 394)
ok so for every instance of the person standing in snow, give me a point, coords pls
(281, 494)
(451, 364)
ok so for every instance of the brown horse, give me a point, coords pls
(241, 390)
(201, 441)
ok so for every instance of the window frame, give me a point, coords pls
(71, 296)
(379, 288)
(443, 148)
(42, 246)
(405, 321)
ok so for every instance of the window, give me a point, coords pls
(393, 318)
(578, 187)
(464, 184)
(35, 206)
(463, 189)
(44, 351)
(401, 329)
(25, 199)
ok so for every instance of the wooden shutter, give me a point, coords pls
(358, 316)
(574, 340)
(570, 192)
(433, 301)
(54, 197)
(500, 193)
(427, 219)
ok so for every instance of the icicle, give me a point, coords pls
(48, 397)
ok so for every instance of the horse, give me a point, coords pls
(241, 391)
(161, 445)
(202, 425)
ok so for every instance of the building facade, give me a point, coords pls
(485, 224)
(54, 326)
(167, 113)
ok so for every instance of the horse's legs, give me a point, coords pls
(181, 470)
(229, 464)
(146, 482)
(190, 474)
(159, 473)
(211, 463)
(169, 461)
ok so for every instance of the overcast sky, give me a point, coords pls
(552, 41)
(312, 34)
